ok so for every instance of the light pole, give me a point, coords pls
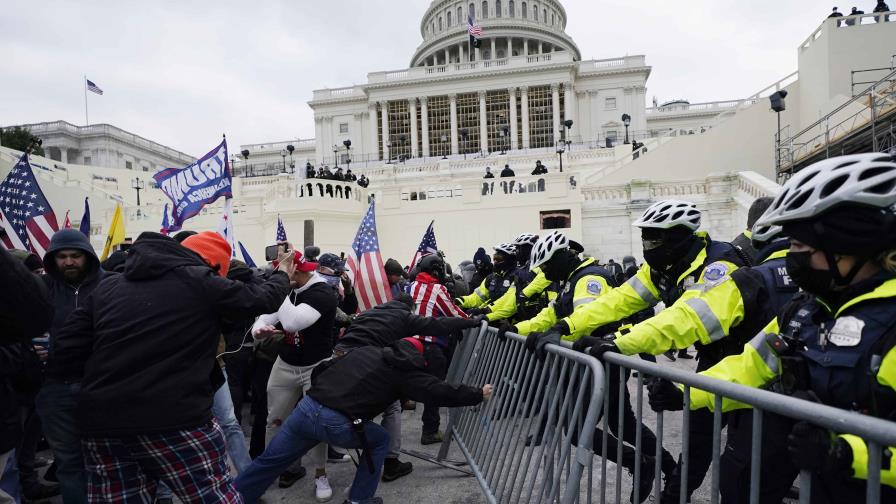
(335, 157)
(778, 105)
(626, 120)
(292, 165)
(245, 154)
(283, 155)
(348, 153)
(561, 148)
(504, 135)
(444, 140)
(139, 185)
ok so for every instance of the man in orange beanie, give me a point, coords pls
(143, 345)
(212, 248)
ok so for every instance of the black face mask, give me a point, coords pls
(665, 256)
(814, 281)
(560, 266)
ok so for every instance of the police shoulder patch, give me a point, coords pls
(594, 287)
(715, 272)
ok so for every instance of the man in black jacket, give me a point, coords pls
(25, 313)
(73, 271)
(345, 395)
(144, 344)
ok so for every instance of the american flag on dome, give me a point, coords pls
(93, 87)
(25, 213)
(371, 284)
(427, 246)
(281, 231)
(475, 32)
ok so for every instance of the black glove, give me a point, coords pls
(663, 395)
(597, 351)
(459, 326)
(538, 341)
(818, 450)
(584, 343)
(504, 329)
(479, 311)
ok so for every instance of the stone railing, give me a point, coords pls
(298, 143)
(468, 67)
(49, 128)
(755, 185)
(848, 22)
(338, 93)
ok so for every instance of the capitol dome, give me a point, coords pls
(509, 28)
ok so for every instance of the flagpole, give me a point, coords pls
(86, 116)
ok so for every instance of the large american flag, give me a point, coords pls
(281, 231)
(25, 213)
(474, 30)
(427, 246)
(371, 284)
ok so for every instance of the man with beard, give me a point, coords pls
(72, 272)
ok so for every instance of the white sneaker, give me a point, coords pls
(322, 490)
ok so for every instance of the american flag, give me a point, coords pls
(281, 231)
(427, 246)
(474, 30)
(25, 213)
(93, 87)
(365, 260)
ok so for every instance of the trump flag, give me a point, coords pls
(194, 186)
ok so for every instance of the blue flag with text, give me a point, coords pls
(194, 186)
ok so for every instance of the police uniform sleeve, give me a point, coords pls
(704, 313)
(477, 298)
(504, 307)
(587, 291)
(545, 319)
(756, 366)
(636, 294)
(537, 285)
(886, 376)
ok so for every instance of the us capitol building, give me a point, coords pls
(425, 134)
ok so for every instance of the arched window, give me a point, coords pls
(553, 19)
(534, 12)
(472, 11)
(512, 11)
(544, 15)
(497, 8)
(448, 19)
(525, 11)
(440, 23)
(460, 15)
(484, 13)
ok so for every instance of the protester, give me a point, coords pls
(432, 300)
(363, 181)
(855, 12)
(25, 313)
(540, 169)
(483, 265)
(305, 318)
(488, 172)
(346, 394)
(744, 241)
(397, 277)
(72, 273)
(144, 398)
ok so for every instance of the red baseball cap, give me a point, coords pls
(302, 264)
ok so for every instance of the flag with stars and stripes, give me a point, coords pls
(25, 213)
(281, 231)
(427, 246)
(371, 284)
(475, 32)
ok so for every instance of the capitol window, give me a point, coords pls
(610, 103)
(440, 23)
(525, 11)
(448, 18)
(129, 165)
(473, 11)
(343, 127)
(511, 11)
(497, 8)
(484, 13)
(534, 13)
(460, 15)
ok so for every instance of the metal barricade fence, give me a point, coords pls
(876, 432)
(533, 440)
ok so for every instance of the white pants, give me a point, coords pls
(285, 386)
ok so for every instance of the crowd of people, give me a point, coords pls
(137, 370)
(325, 173)
(880, 7)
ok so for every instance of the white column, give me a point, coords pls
(63, 156)
(385, 122)
(447, 56)
(478, 54)
(319, 134)
(373, 145)
(540, 47)
(513, 128)
(525, 47)
(460, 52)
(412, 108)
(524, 96)
(483, 124)
(569, 100)
(592, 113)
(424, 124)
(509, 47)
(494, 54)
(453, 100)
(555, 106)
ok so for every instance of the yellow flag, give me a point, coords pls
(116, 233)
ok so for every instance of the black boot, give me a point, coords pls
(394, 469)
(648, 468)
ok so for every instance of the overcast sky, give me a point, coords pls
(181, 73)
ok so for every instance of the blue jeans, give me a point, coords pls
(57, 405)
(10, 490)
(237, 450)
(311, 423)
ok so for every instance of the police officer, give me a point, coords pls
(840, 334)
(679, 262)
(528, 294)
(497, 282)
